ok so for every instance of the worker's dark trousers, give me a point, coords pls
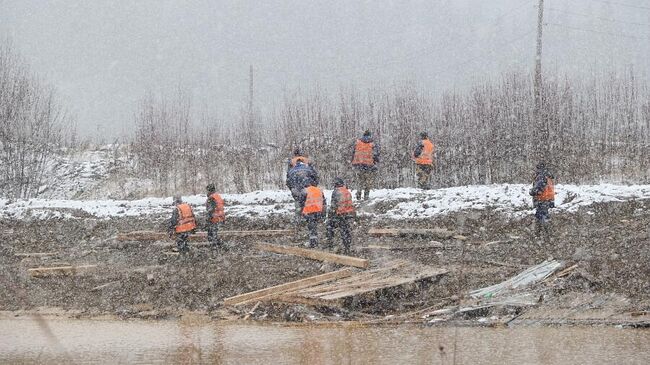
(342, 222)
(297, 204)
(181, 242)
(423, 173)
(542, 216)
(213, 235)
(312, 225)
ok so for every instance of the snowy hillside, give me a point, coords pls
(512, 199)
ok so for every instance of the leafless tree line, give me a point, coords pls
(600, 131)
(30, 126)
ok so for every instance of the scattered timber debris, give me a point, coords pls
(440, 233)
(59, 270)
(269, 292)
(36, 254)
(201, 236)
(531, 275)
(315, 255)
(100, 287)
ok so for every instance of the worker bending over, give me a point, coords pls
(340, 215)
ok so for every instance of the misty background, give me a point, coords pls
(104, 56)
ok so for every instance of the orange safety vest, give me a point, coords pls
(186, 221)
(426, 156)
(345, 205)
(548, 194)
(295, 160)
(219, 214)
(314, 201)
(363, 153)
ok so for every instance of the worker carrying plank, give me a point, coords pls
(215, 208)
(182, 223)
(340, 215)
(314, 207)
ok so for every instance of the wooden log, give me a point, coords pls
(315, 255)
(422, 232)
(201, 236)
(36, 254)
(59, 270)
(282, 288)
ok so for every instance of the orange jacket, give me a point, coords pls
(344, 205)
(548, 194)
(297, 159)
(426, 156)
(186, 221)
(313, 201)
(218, 214)
(363, 153)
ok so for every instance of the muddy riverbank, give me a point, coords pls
(609, 243)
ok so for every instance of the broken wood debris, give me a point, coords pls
(201, 236)
(395, 274)
(315, 255)
(531, 275)
(279, 289)
(59, 270)
(422, 232)
(431, 245)
(99, 287)
(36, 254)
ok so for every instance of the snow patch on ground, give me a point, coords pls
(403, 203)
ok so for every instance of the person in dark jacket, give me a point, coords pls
(365, 157)
(423, 156)
(182, 223)
(340, 214)
(543, 193)
(298, 178)
(314, 207)
(216, 216)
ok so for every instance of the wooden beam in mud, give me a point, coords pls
(427, 246)
(201, 236)
(39, 272)
(282, 288)
(420, 232)
(36, 254)
(315, 255)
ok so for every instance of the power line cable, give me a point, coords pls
(598, 31)
(622, 4)
(595, 17)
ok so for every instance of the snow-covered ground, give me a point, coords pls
(512, 199)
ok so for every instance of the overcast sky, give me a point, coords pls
(103, 56)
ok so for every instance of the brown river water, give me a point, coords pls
(81, 341)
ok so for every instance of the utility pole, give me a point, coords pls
(251, 122)
(541, 122)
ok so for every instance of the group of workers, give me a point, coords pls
(311, 206)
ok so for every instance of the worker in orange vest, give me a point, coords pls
(314, 208)
(340, 214)
(182, 223)
(215, 208)
(423, 156)
(543, 193)
(365, 158)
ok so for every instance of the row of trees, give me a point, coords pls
(30, 126)
(600, 131)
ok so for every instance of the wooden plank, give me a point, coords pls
(315, 255)
(282, 288)
(36, 254)
(59, 270)
(423, 232)
(99, 287)
(431, 245)
(201, 236)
